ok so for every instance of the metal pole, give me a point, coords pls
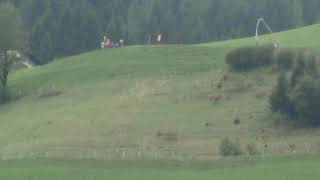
(257, 28)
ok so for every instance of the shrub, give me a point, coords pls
(265, 55)
(219, 86)
(306, 65)
(312, 66)
(279, 99)
(298, 70)
(252, 149)
(306, 100)
(229, 148)
(236, 121)
(300, 102)
(251, 57)
(300, 99)
(286, 59)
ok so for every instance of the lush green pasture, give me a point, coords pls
(125, 99)
(277, 168)
(306, 37)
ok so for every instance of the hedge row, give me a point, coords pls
(251, 57)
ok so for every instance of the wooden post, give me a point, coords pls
(123, 155)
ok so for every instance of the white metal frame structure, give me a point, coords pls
(261, 20)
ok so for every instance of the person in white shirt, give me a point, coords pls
(102, 45)
(159, 38)
(121, 41)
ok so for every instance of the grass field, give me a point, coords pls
(156, 100)
(293, 168)
(148, 99)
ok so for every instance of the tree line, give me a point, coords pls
(62, 28)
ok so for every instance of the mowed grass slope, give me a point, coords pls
(305, 37)
(157, 99)
(279, 168)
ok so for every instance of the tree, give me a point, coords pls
(230, 148)
(301, 99)
(312, 66)
(279, 99)
(306, 99)
(298, 70)
(12, 38)
(69, 26)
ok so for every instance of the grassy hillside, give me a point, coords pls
(305, 37)
(156, 100)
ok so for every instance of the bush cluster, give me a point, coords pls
(297, 95)
(286, 58)
(252, 149)
(251, 57)
(230, 148)
(233, 148)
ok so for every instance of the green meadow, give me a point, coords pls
(293, 168)
(153, 100)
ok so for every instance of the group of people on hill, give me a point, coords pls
(108, 43)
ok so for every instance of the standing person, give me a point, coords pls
(102, 45)
(121, 41)
(105, 40)
(109, 42)
(159, 38)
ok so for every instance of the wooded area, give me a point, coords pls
(61, 28)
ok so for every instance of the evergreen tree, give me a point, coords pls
(12, 38)
(312, 66)
(306, 100)
(279, 99)
(61, 23)
(298, 70)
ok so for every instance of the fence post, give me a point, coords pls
(123, 155)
